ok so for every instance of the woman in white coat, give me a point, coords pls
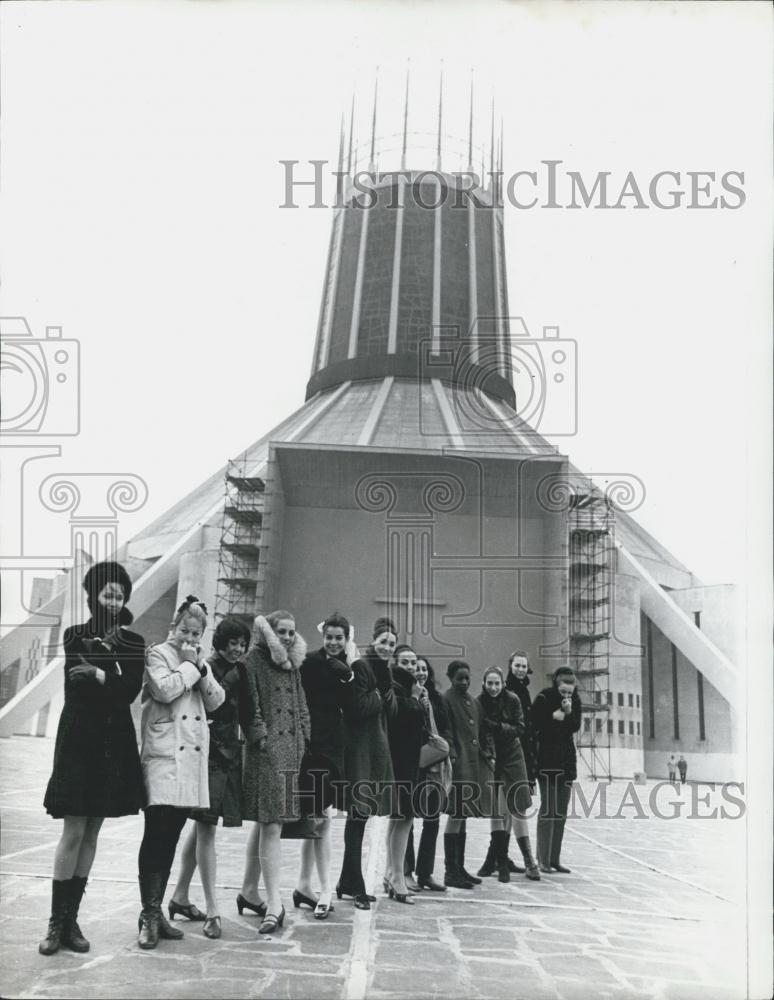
(178, 691)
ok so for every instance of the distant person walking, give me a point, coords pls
(682, 767)
(672, 769)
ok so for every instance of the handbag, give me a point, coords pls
(433, 751)
(435, 748)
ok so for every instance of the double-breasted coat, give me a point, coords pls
(96, 769)
(406, 731)
(555, 739)
(175, 734)
(367, 760)
(328, 695)
(278, 728)
(505, 720)
(472, 791)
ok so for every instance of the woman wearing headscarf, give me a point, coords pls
(367, 760)
(505, 721)
(556, 717)
(96, 771)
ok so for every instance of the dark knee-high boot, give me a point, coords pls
(488, 866)
(461, 859)
(150, 892)
(512, 866)
(59, 895)
(453, 877)
(530, 864)
(500, 838)
(72, 937)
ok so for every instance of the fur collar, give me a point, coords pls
(290, 659)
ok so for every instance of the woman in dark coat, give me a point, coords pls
(96, 770)
(367, 761)
(432, 795)
(327, 678)
(230, 643)
(556, 717)
(277, 736)
(472, 791)
(505, 721)
(406, 731)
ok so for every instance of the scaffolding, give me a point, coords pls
(240, 541)
(591, 567)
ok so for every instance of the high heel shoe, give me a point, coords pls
(187, 910)
(322, 910)
(271, 922)
(245, 904)
(400, 897)
(362, 896)
(211, 927)
(387, 885)
(299, 898)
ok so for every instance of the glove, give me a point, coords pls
(342, 671)
(231, 680)
(83, 673)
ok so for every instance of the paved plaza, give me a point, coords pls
(653, 908)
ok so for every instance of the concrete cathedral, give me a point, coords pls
(413, 481)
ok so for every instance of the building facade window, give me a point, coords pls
(599, 725)
(620, 727)
(610, 725)
(631, 701)
(587, 724)
(638, 729)
(610, 697)
(631, 729)
(638, 701)
(620, 698)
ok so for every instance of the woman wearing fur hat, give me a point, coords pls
(96, 770)
(505, 721)
(556, 716)
(277, 736)
(367, 761)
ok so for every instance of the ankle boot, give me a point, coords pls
(461, 859)
(453, 876)
(166, 929)
(72, 937)
(150, 891)
(488, 867)
(59, 895)
(500, 838)
(533, 872)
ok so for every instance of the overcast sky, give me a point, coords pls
(141, 188)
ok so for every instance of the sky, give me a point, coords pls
(141, 193)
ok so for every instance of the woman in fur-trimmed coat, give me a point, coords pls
(277, 733)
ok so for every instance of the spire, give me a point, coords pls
(470, 126)
(405, 118)
(440, 119)
(500, 160)
(491, 156)
(351, 126)
(371, 164)
(339, 172)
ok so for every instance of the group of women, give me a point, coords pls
(367, 734)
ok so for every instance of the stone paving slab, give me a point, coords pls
(653, 909)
